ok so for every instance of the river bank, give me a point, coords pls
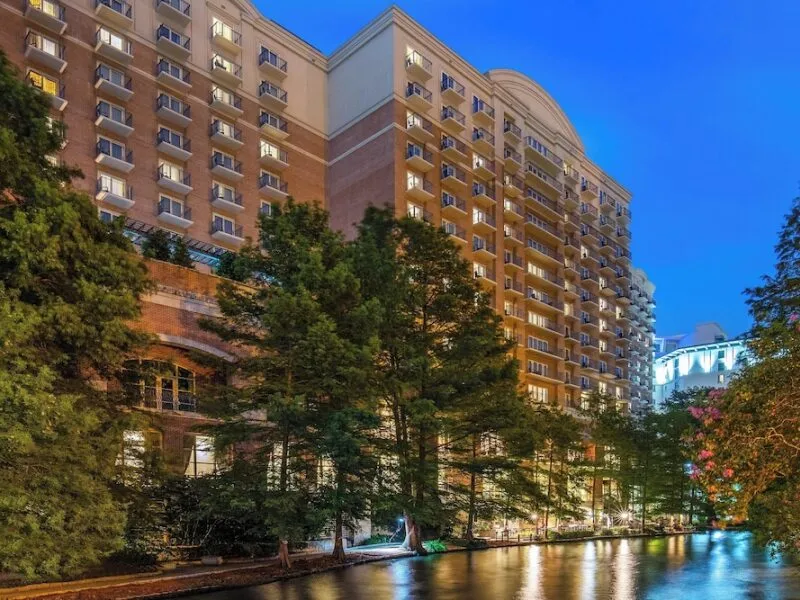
(191, 579)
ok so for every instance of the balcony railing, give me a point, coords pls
(480, 189)
(126, 192)
(173, 36)
(509, 127)
(268, 57)
(455, 172)
(103, 109)
(454, 201)
(537, 146)
(479, 106)
(481, 244)
(165, 172)
(164, 66)
(227, 227)
(182, 6)
(531, 219)
(113, 76)
(449, 142)
(478, 216)
(173, 104)
(226, 130)
(543, 249)
(415, 58)
(173, 139)
(512, 154)
(270, 89)
(225, 31)
(480, 134)
(417, 151)
(114, 151)
(269, 180)
(510, 258)
(415, 89)
(273, 121)
(448, 112)
(448, 83)
(118, 6)
(220, 160)
(532, 169)
(176, 209)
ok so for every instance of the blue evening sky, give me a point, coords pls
(693, 105)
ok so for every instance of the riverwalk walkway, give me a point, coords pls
(195, 578)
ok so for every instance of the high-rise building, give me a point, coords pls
(194, 117)
(642, 349)
(704, 358)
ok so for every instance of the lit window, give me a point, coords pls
(199, 457)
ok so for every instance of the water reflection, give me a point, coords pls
(719, 566)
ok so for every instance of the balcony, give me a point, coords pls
(516, 288)
(273, 126)
(513, 261)
(482, 113)
(173, 111)
(453, 149)
(179, 11)
(273, 96)
(536, 176)
(571, 174)
(45, 52)
(512, 210)
(453, 119)
(226, 200)
(542, 202)
(623, 214)
(226, 167)
(483, 193)
(113, 48)
(419, 189)
(482, 166)
(226, 102)
(225, 135)
(169, 180)
(174, 145)
(418, 67)
(173, 76)
(226, 37)
(271, 64)
(113, 157)
(116, 12)
(113, 120)
(273, 187)
(544, 251)
(174, 213)
(543, 156)
(47, 14)
(512, 159)
(454, 178)
(512, 235)
(419, 158)
(484, 274)
(483, 141)
(113, 83)
(417, 212)
(482, 221)
(459, 233)
(452, 91)
(453, 205)
(607, 224)
(571, 199)
(274, 158)
(588, 213)
(54, 89)
(226, 71)
(513, 185)
(121, 197)
(483, 249)
(227, 233)
(173, 43)
(588, 189)
(419, 127)
(419, 97)
(511, 132)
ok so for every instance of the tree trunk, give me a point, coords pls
(338, 544)
(283, 555)
(413, 541)
(469, 535)
(644, 493)
(549, 491)
(594, 490)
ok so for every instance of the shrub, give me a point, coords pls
(434, 546)
(377, 538)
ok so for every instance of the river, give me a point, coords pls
(706, 566)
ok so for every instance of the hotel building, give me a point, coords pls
(194, 117)
(642, 349)
(703, 358)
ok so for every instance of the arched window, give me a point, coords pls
(161, 385)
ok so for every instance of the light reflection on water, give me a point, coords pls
(717, 566)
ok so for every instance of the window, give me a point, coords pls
(413, 180)
(170, 136)
(114, 40)
(225, 225)
(223, 191)
(112, 111)
(106, 216)
(266, 208)
(134, 446)
(111, 148)
(160, 385)
(720, 378)
(111, 74)
(537, 393)
(224, 128)
(223, 159)
(222, 95)
(721, 354)
(170, 68)
(480, 269)
(537, 319)
(721, 366)
(112, 185)
(220, 62)
(168, 170)
(44, 83)
(537, 344)
(45, 44)
(415, 211)
(198, 455)
(272, 151)
(537, 368)
(172, 206)
(222, 29)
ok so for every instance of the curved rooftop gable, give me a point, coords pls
(538, 102)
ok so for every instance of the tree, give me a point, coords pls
(307, 341)
(69, 287)
(435, 329)
(160, 246)
(748, 455)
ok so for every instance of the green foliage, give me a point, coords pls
(748, 449)
(159, 245)
(69, 286)
(435, 546)
(575, 534)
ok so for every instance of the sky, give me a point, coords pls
(692, 105)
